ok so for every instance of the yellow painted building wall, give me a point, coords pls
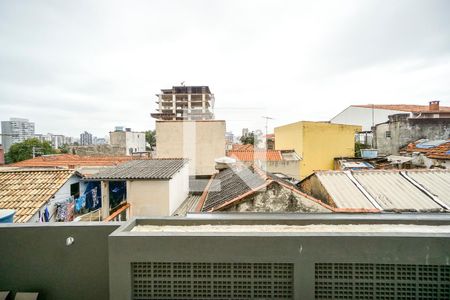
(318, 143)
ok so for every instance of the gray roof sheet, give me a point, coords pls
(142, 169)
(393, 192)
(436, 182)
(229, 184)
(188, 205)
(343, 191)
(389, 188)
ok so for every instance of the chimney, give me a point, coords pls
(434, 106)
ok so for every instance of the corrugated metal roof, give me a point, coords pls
(188, 205)
(436, 181)
(343, 191)
(142, 169)
(27, 191)
(393, 192)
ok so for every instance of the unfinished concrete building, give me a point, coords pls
(185, 103)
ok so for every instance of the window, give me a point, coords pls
(75, 189)
(387, 134)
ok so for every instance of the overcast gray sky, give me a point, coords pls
(71, 66)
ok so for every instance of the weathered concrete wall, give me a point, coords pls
(430, 163)
(313, 187)
(199, 141)
(288, 167)
(98, 150)
(404, 131)
(277, 198)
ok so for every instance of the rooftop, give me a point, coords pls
(437, 149)
(142, 169)
(404, 107)
(233, 185)
(71, 160)
(26, 191)
(388, 190)
(251, 155)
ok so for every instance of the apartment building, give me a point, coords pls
(16, 130)
(185, 103)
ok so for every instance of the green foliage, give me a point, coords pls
(63, 149)
(248, 139)
(150, 138)
(24, 150)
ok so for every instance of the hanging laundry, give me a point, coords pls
(80, 203)
(46, 214)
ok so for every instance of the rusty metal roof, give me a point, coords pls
(26, 191)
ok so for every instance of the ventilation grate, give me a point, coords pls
(165, 280)
(381, 281)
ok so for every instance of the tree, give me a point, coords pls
(150, 138)
(248, 139)
(24, 150)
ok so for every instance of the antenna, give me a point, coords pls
(267, 122)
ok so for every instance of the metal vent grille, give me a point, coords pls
(167, 280)
(381, 281)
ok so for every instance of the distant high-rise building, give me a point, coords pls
(185, 103)
(86, 138)
(16, 130)
(244, 131)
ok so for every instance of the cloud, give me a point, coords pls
(90, 65)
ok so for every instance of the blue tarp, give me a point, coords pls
(431, 144)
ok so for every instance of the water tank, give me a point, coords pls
(369, 153)
(7, 215)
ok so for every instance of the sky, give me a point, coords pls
(72, 66)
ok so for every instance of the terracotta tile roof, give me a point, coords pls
(240, 147)
(251, 155)
(404, 107)
(71, 160)
(27, 191)
(441, 151)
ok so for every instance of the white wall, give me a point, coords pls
(363, 116)
(178, 189)
(61, 195)
(148, 198)
(135, 140)
(158, 198)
